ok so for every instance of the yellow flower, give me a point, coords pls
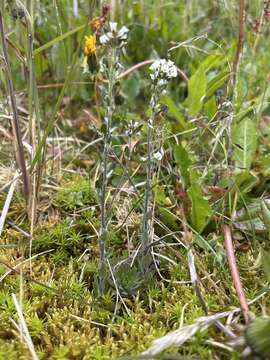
(89, 51)
(90, 46)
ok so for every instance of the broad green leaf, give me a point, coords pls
(257, 337)
(196, 92)
(243, 181)
(216, 83)
(210, 108)
(211, 61)
(174, 111)
(249, 218)
(244, 138)
(183, 162)
(242, 90)
(169, 218)
(131, 86)
(201, 210)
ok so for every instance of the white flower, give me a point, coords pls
(122, 33)
(162, 82)
(104, 39)
(113, 26)
(163, 70)
(159, 154)
(114, 34)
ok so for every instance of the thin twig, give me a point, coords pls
(234, 272)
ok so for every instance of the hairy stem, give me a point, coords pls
(105, 160)
(147, 208)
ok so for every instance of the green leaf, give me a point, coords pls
(216, 83)
(196, 91)
(244, 181)
(174, 111)
(58, 39)
(266, 216)
(131, 86)
(183, 162)
(248, 218)
(169, 218)
(257, 336)
(265, 165)
(211, 61)
(210, 108)
(201, 210)
(266, 263)
(244, 138)
(160, 196)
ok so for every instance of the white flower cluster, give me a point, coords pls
(163, 70)
(120, 35)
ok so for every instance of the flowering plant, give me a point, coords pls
(113, 35)
(162, 71)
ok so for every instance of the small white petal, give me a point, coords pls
(104, 39)
(163, 70)
(113, 26)
(122, 33)
(162, 82)
(155, 65)
(159, 154)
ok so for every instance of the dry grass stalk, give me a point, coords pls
(7, 202)
(15, 119)
(23, 328)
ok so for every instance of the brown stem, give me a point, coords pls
(240, 42)
(15, 122)
(234, 272)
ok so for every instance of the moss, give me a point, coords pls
(61, 237)
(62, 323)
(77, 325)
(75, 193)
(114, 240)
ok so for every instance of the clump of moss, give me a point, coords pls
(62, 238)
(114, 241)
(75, 193)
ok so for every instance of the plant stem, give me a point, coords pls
(15, 121)
(240, 43)
(105, 160)
(148, 186)
(234, 272)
